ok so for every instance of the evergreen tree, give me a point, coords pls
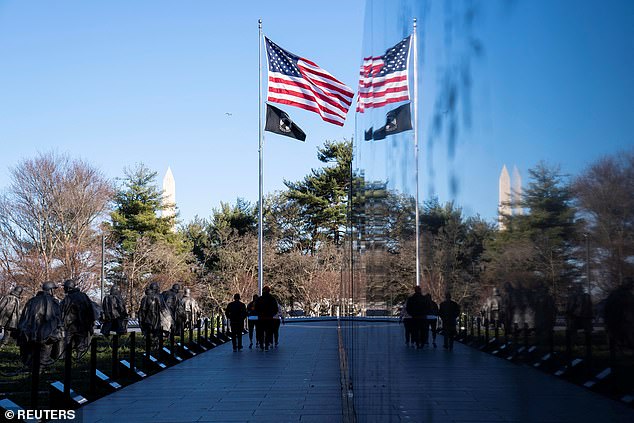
(145, 244)
(196, 234)
(208, 236)
(136, 210)
(284, 223)
(323, 195)
(548, 228)
(240, 219)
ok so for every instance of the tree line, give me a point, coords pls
(318, 232)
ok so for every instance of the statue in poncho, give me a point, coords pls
(79, 317)
(154, 315)
(41, 327)
(172, 299)
(114, 315)
(188, 311)
(10, 314)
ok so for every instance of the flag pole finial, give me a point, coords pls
(260, 23)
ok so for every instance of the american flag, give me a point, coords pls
(384, 79)
(300, 82)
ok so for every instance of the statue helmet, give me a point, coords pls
(48, 286)
(176, 287)
(69, 284)
(114, 290)
(187, 292)
(154, 287)
(17, 291)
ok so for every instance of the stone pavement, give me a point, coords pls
(296, 382)
(300, 382)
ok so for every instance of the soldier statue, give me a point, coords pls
(114, 313)
(154, 315)
(78, 316)
(172, 298)
(146, 314)
(10, 314)
(41, 327)
(188, 311)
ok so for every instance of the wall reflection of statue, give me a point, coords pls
(515, 307)
(619, 314)
(10, 314)
(41, 326)
(527, 305)
(493, 307)
(579, 313)
(78, 316)
(114, 313)
(545, 315)
(188, 311)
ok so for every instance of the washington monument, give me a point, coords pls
(509, 200)
(516, 194)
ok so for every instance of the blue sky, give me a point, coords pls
(553, 82)
(120, 82)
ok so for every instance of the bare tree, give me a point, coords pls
(153, 261)
(605, 198)
(134, 272)
(48, 220)
(236, 269)
(322, 278)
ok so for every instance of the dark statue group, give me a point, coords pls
(49, 327)
(524, 309)
(171, 310)
(533, 310)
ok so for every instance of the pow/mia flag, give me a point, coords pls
(368, 134)
(278, 122)
(397, 120)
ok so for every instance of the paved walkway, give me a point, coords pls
(297, 382)
(300, 382)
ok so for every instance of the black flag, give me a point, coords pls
(368, 134)
(397, 120)
(278, 121)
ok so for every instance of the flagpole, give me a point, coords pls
(416, 151)
(260, 153)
